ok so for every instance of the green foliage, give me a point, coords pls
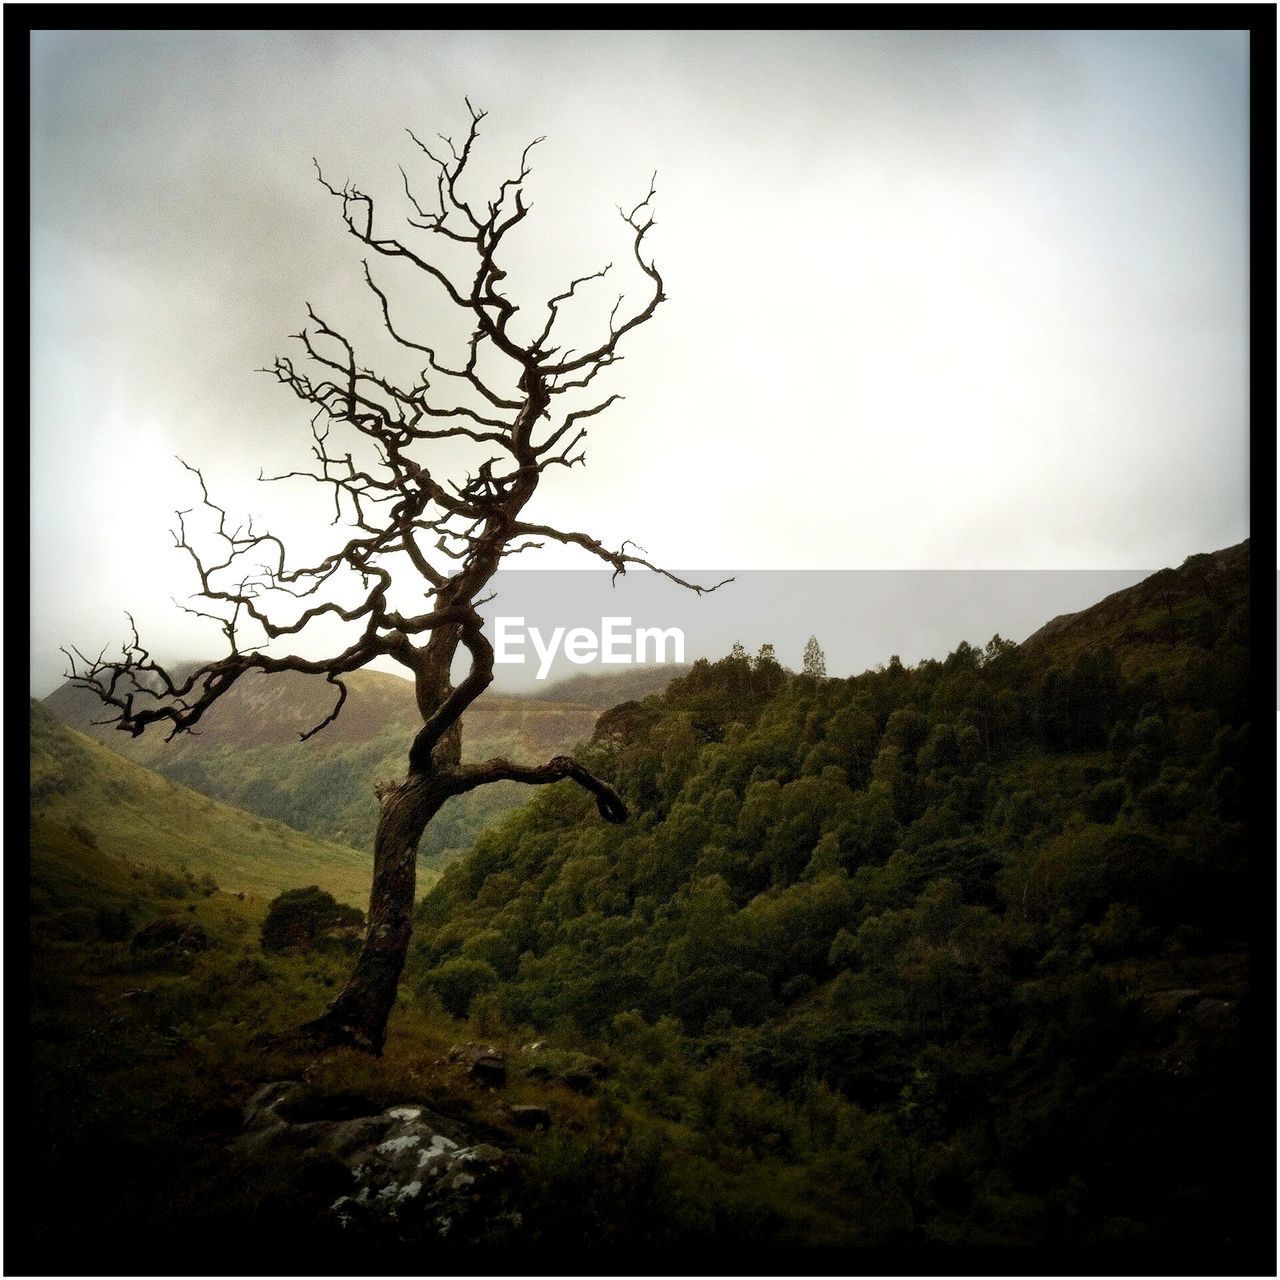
(1105, 801)
(111, 805)
(305, 918)
(854, 921)
(324, 786)
(457, 982)
(815, 663)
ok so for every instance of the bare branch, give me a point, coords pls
(611, 805)
(333, 715)
(394, 503)
(620, 559)
(641, 227)
(371, 432)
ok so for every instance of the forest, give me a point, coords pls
(953, 954)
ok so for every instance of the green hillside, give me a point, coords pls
(1171, 618)
(951, 954)
(605, 689)
(247, 752)
(119, 810)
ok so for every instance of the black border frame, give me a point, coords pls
(1255, 1257)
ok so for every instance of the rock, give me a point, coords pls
(1159, 1006)
(402, 1172)
(484, 1064)
(180, 935)
(260, 1110)
(584, 1076)
(531, 1117)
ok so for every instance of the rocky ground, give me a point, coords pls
(402, 1173)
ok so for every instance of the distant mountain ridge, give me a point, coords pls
(605, 689)
(81, 791)
(1161, 610)
(247, 753)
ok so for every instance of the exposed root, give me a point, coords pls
(318, 1036)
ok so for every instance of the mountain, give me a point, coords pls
(92, 798)
(247, 753)
(1169, 610)
(953, 954)
(949, 956)
(605, 689)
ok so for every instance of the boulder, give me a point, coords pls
(528, 1117)
(483, 1063)
(400, 1173)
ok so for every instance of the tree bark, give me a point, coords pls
(358, 1016)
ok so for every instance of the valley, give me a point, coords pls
(950, 955)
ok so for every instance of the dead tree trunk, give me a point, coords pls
(358, 1016)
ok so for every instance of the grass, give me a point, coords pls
(143, 1061)
(247, 753)
(125, 811)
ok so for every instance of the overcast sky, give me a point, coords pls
(937, 300)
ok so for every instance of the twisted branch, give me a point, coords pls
(611, 805)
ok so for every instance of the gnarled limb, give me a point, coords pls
(620, 559)
(611, 805)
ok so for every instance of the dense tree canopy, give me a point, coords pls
(957, 899)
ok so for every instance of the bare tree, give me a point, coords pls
(505, 393)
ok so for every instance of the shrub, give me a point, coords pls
(306, 918)
(83, 834)
(457, 982)
(168, 884)
(1105, 801)
(170, 934)
(114, 923)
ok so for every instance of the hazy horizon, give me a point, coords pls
(861, 618)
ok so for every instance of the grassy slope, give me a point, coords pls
(248, 754)
(134, 814)
(605, 689)
(142, 1061)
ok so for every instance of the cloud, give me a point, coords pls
(936, 299)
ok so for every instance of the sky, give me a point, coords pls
(937, 301)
